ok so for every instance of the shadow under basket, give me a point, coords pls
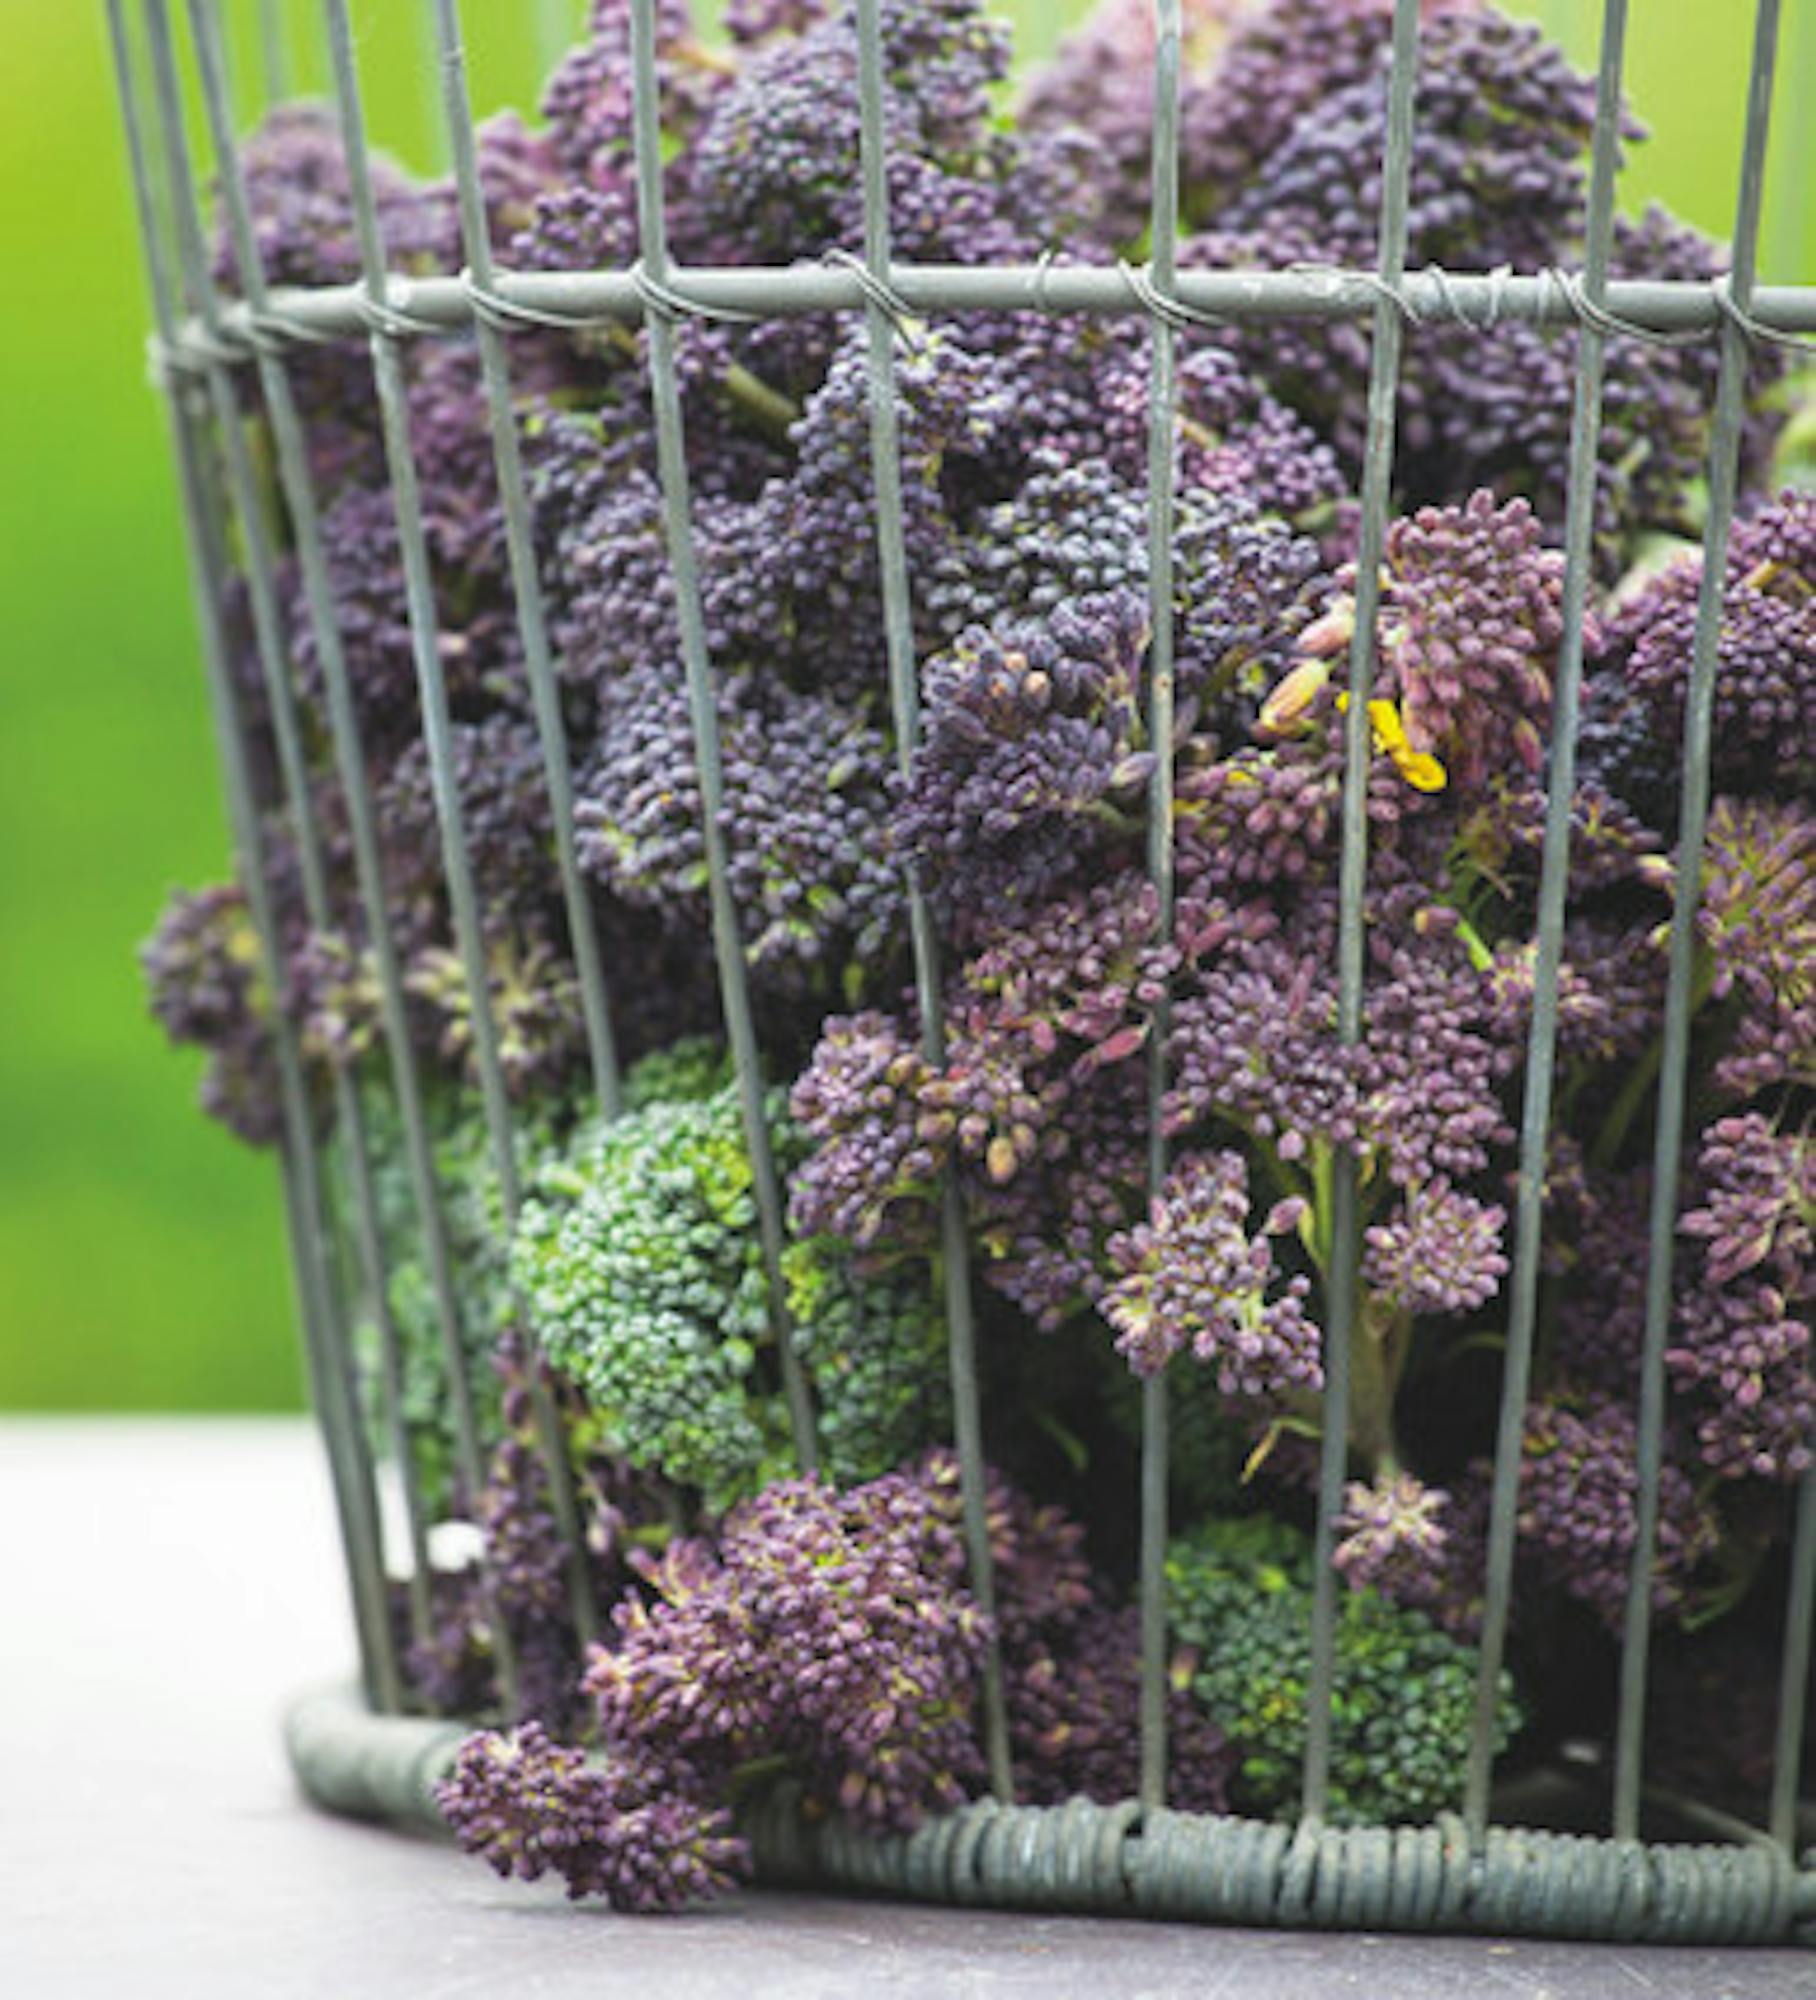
(1117, 1861)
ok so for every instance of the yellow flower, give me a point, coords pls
(1419, 768)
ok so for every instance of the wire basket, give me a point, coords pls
(374, 1752)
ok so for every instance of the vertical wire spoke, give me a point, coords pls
(904, 695)
(1554, 878)
(532, 627)
(297, 482)
(425, 644)
(1344, 1286)
(1794, 1676)
(419, 591)
(526, 582)
(1724, 469)
(350, 1125)
(274, 52)
(325, 1342)
(1162, 390)
(728, 948)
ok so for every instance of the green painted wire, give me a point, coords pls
(1794, 1678)
(1554, 882)
(728, 947)
(274, 51)
(419, 594)
(1313, 295)
(260, 570)
(1724, 466)
(297, 482)
(1377, 489)
(904, 697)
(532, 628)
(355, 1502)
(526, 583)
(1167, 1865)
(1162, 474)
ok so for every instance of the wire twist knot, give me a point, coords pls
(391, 322)
(881, 294)
(662, 301)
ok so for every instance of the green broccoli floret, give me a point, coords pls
(692, 1068)
(641, 1271)
(641, 1268)
(472, 1213)
(1239, 1595)
(875, 1351)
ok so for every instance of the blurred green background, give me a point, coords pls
(141, 1257)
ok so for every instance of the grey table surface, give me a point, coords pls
(163, 1584)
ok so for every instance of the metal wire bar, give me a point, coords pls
(419, 594)
(532, 628)
(526, 583)
(1724, 466)
(1794, 1676)
(1430, 296)
(1554, 881)
(1344, 1278)
(904, 700)
(355, 1501)
(384, 317)
(260, 570)
(728, 947)
(298, 486)
(1162, 473)
(274, 51)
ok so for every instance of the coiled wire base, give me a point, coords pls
(1118, 1861)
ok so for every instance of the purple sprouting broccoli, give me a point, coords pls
(1578, 1501)
(505, 822)
(534, 995)
(588, 100)
(1030, 743)
(1101, 79)
(1074, 1720)
(1470, 621)
(808, 788)
(830, 1637)
(1757, 919)
(1439, 1252)
(1393, 1536)
(1041, 1013)
(1254, 1043)
(830, 1630)
(1501, 130)
(302, 206)
(873, 1172)
(1741, 1342)
(1192, 1276)
(201, 969)
(1280, 158)
(775, 163)
(1078, 528)
(528, 1805)
(1763, 740)
(1457, 712)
